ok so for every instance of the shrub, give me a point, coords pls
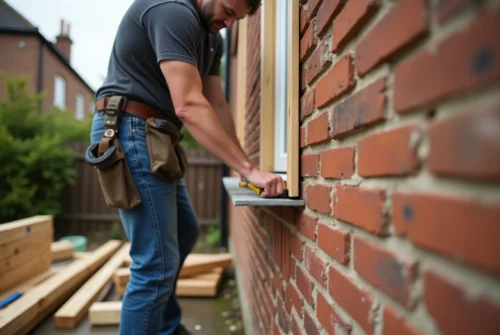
(35, 162)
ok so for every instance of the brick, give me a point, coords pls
(312, 7)
(456, 311)
(317, 129)
(303, 79)
(296, 245)
(334, 242)
(326, 13)
(303, 21)
(309, 165)
(276, 330)
(395, 324)
(294, 326)
(448, 8)
(461, 228)
(467, 145)
(318, 198)
(292, 264)
(337, 163)
(306, 225)
(336, 82)
(307, 105)
(307, 44)
(463, 63)
(310, 325)
(315, 265)
(305, 285)
(351, 19)
(389, 153)
(354, 301)
(329, 318)
(361, 207)
(405, 23)
(293, 299)
(277, 283)
(360, 110)
(318, 63)
(392, 274)
(283, 317)
(303, 142)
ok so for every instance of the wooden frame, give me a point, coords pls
(242, 75)
(268, 51)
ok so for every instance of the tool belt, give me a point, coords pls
(167, 158)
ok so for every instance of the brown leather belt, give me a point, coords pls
(132, 107)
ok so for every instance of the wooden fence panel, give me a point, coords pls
(84, 211)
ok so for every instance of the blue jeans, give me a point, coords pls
(162, 231)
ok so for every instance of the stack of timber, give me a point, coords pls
(25, 250)
(200, 276)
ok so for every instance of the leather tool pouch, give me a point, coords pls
(108, 159)
(166, 155)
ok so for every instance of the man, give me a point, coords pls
(165, 60)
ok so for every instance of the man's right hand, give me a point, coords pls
(272, 184)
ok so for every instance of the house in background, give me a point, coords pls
(24, 51)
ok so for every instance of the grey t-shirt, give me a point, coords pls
(152, 31)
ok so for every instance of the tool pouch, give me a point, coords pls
(166, 155)
(108, 159)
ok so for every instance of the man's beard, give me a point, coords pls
(207, 15)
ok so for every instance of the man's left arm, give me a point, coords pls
(212, 90)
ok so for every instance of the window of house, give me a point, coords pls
(80, 107)
(60, 92)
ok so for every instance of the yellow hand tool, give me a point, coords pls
(259, 190)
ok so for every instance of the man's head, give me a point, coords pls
(218, 14)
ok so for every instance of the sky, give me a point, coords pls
(93, 25)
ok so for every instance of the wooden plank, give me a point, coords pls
(293, 134)
(30, 283)
(24, 255)
(25, 313)
(81, 254)
(12, 248)
(16, 230)
(25, 271)
(267, 85)
(242, 80)
(71, 313)
(121, 276)
(106, 313)
(204, 285)
(201, 263)
(62, 250)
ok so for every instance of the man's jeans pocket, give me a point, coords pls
(116, 181)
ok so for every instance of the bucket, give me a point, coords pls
(79, 242)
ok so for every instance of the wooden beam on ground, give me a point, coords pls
(81, 254)
(16, 230)
(36, 265)
(201, 263)
(25, 313)
(105, 313)
(62, 250)
(16, 247)
(28, 284)
(72, 312)
(204, 285)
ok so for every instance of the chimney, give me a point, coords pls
(63, 41)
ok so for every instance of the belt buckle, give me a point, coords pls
(109, 133)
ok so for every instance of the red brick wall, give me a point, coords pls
(400, 170)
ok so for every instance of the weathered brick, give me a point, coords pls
(456, 311)
(326, 13)
(303, 142)
(392, 274)
(337, 163)
(354, 301)
(336, 82)
(294, 326)
(317, 129)
(303, 21)
(395, 324)
(306, 225)
(405, 23)
(358, 111)
(464, 62)
(360, 206)
(318, 198)
(293, 299)
(334, 242)
(462, 228)
(303, 79)
(305, 285)
(296, 245)
(467, 145)
(315, 265)
(283, 316)
(307, 44)
(389, 153)
(310, 325)
(351, 19)
(309, 165)
(312, 7)
(307, 105)
(318, 63)
(448, 8)
(328, 316)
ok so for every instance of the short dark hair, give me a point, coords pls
(254, 5)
